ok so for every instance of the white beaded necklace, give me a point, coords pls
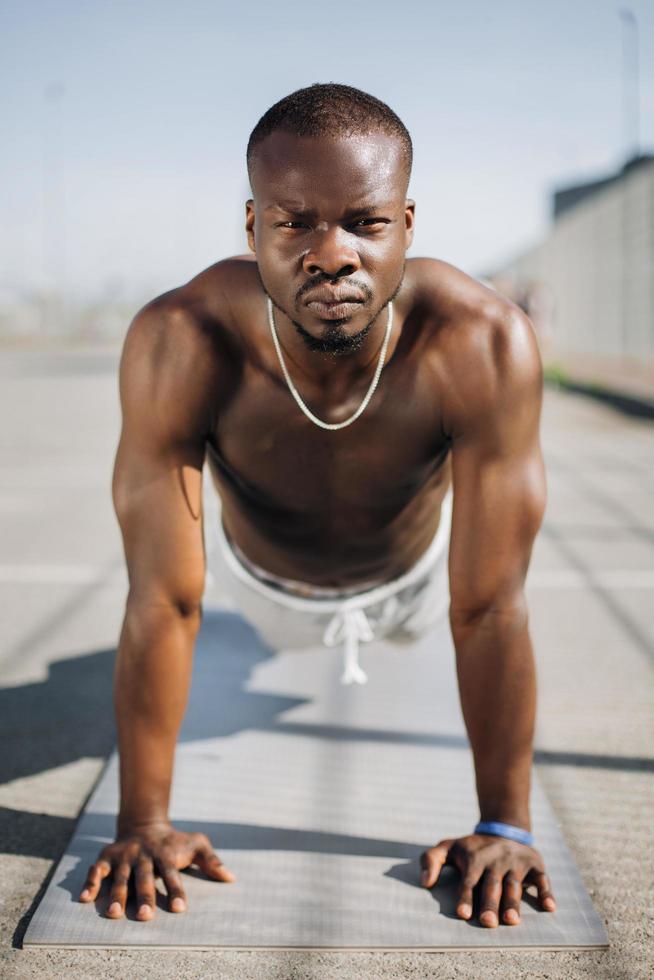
(293, 390)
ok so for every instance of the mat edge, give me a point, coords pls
(327, 949)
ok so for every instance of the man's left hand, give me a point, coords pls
(498, 867)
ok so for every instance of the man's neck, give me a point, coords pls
(341, 369)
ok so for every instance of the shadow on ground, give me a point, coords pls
(69, 716)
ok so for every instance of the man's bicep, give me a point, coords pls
(499, 497)
(158, 501)
(497, 510)
(157, 484)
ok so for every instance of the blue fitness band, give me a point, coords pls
(497, 829)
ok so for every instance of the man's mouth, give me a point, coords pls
(329, 304)
(334, 311)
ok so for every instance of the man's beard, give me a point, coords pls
(337, 342)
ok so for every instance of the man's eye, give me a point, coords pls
(362, 223)
(369, 223)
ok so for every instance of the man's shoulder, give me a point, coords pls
(216, 290)
(454, 298)
(181, 346)
(486, 345)
(196, 318)
(207, 298)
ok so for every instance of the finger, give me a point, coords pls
(470, 880)
(511, 895)
(542, 883)
(173, 882)
(97, 873)
(118, 894)
(491, 892)
(210, 864)
(145, 889)
(432, 860)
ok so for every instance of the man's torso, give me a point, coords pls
(334, 508)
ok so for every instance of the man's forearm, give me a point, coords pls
(152, 678)
(497, 687)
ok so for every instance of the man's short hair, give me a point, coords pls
(330, 109)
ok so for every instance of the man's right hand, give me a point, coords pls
(140, 855)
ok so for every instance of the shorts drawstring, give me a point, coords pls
(350, 627)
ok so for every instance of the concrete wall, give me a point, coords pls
(589, 287)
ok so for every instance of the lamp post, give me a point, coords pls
(630, 83)
(631, 140)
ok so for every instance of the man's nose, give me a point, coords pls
(331, 253)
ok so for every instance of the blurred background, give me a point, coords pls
(123, 128)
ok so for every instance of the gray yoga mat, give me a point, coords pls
(320, 798)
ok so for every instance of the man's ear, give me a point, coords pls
(409, 220)
(249, 224)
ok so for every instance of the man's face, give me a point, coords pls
(330, 226)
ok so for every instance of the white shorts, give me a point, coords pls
(399, 610)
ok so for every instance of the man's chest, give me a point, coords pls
(269, 451)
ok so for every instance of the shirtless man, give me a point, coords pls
(458, 402)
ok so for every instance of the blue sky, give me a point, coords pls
(124, 125)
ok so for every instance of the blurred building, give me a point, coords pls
(589, 286)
